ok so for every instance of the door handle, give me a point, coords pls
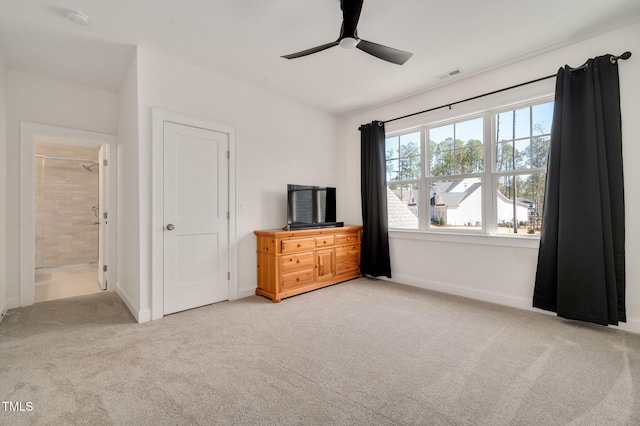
(170, 227)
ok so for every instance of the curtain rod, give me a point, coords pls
(624, 56)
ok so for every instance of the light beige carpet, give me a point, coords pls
(365, 352)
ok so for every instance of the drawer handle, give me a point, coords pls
(297, 278)
(299, 245)
(298, 261)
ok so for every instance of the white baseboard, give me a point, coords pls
(472, 293)
(13, 302)
(246, 292)
(632, 325)
(144, 316)
(141, 316)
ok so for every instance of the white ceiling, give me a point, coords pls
(244, 39)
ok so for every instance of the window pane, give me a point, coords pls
(440, 134)
(402, 205)
(410, 156)
(456, 148)
(473, 158)
(531, 144)
(469, 130)
(542, 115)
(522, 157)
(505, 126)
(442, 163)
(533, 190)
(412, 139)
(458, 158)
(391, 147)
(456, 204)
(523, 123)
(410, 168)
(393, 167)
(504, 156)
(539, 151)
(520, 203)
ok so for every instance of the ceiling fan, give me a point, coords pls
(349, 38)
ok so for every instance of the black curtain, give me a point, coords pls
(374, 256)
(581, 262)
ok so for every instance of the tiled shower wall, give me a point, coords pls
(66, 233)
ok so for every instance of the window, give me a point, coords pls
(522, 148)
(404, 172)
(484, 173)
(455, 175)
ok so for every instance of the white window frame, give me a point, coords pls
(420, 180)
(497, 174)
(488, 109)
(482, 175)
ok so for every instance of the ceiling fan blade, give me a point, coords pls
(350, 16)
(310, 51)
(385, 53)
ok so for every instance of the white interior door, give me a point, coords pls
(195, 217)
(102, 216)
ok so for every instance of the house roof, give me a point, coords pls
(451, 199)
(399, 214)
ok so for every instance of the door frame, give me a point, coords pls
(30, 133)
(159, 117)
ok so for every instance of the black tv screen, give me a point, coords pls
(311, 206)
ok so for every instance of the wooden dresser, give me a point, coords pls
(294, 262)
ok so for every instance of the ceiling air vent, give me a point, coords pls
(449, 74)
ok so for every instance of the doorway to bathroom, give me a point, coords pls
(67, 212)
(68, 220)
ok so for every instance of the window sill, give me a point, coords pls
(521, 241)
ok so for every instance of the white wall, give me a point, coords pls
(278, 141)
(43, 100)
(497, 272)
(128, 285)
(3, 186)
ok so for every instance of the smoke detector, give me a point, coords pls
(77, 17)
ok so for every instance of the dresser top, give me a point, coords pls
(308, 231)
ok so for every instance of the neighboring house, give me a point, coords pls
(454, 203)
(505, 209)
(459, 203)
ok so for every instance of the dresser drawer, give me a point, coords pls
(350, 238)
(294, 279)
(347, 252)
(348, 267)
(292, 262)
(325, 241)
(299, 244)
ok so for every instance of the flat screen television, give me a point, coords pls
(311, 207)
